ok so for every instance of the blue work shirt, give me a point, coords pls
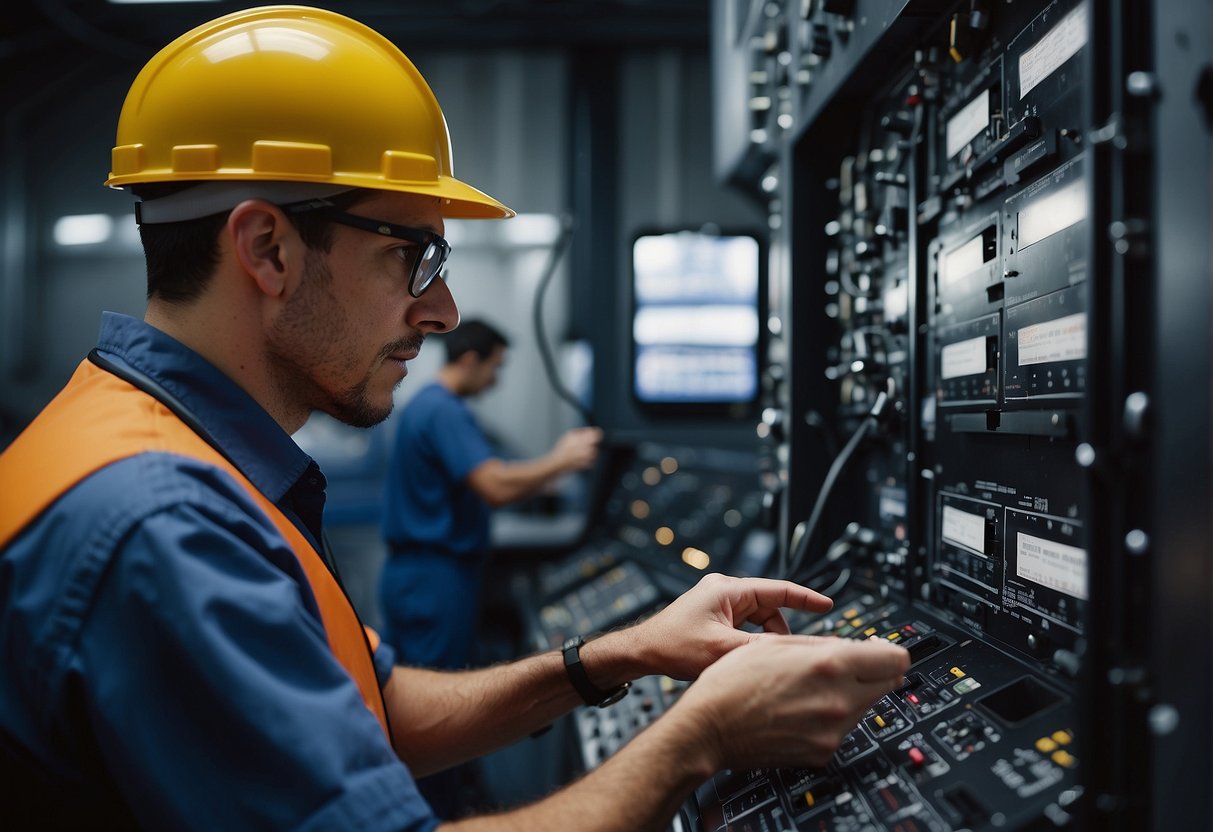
(164, 661)
(428, 506)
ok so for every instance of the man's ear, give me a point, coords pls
(469, 361)
(265, 244)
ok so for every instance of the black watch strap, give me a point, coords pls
(591, 693)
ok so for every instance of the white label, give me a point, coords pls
(963, 261)
(964, 358)
(897, 302)
(1059, 44)
(1058, 210)
(1054, 565)
(892, 503)
(971, 120)
(1062, 339)
(964, 529)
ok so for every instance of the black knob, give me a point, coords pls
(895, 220)
(899, 122)
(842, 7)
(819, 41)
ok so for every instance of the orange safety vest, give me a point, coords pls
(98, 419)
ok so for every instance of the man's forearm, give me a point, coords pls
(499, 483)
(812, 693)
(443, 718)
(637, 789)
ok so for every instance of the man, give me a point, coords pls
(176, 654)
(443, 480)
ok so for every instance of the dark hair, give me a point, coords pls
(181, 256)
(472, 336)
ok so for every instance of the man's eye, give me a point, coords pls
(407, 254)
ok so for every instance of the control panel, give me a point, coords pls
(976, 738)
(671, 515)
(603, 731)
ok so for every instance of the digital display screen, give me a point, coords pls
(1060, 209)
(1054, 565)
(968, 123)
(964, 260)
(1047, 567)
(964, 529)
(695, 322)
(1063, 339)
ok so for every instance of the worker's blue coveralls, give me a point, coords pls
(437, 532)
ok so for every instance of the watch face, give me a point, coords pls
(616, 695)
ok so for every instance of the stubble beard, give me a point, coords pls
(311, 322)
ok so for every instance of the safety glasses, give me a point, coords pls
(423, 261)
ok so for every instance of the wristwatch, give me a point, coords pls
(591, 693)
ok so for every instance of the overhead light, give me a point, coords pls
(523, 231)
(83, 229)
(531, 229)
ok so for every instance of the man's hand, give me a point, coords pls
(577, 449)
(498, 482)
(789, 700)
(701, 625)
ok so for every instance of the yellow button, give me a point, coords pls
(808, 798)
(957, 672)
(871, 631)
(1063, 737)
(857, 623)
(851, 613)
(879, 720)
(1064, 758)
(894, 636)
(1044, 745)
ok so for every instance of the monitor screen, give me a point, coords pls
(695, 318)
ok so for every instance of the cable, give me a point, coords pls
(844, 576)
(838, 549)
(545, 350)
(869, 421)
(823, 495)
(847, 281)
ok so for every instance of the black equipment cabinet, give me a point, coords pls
(990, 233)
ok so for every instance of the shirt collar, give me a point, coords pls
(249, 436)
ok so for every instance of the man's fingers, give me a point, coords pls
(871, 660)
(876, 661)
(768, 592)
(871, 690)
(771, 620)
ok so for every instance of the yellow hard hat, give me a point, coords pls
(294, 94)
